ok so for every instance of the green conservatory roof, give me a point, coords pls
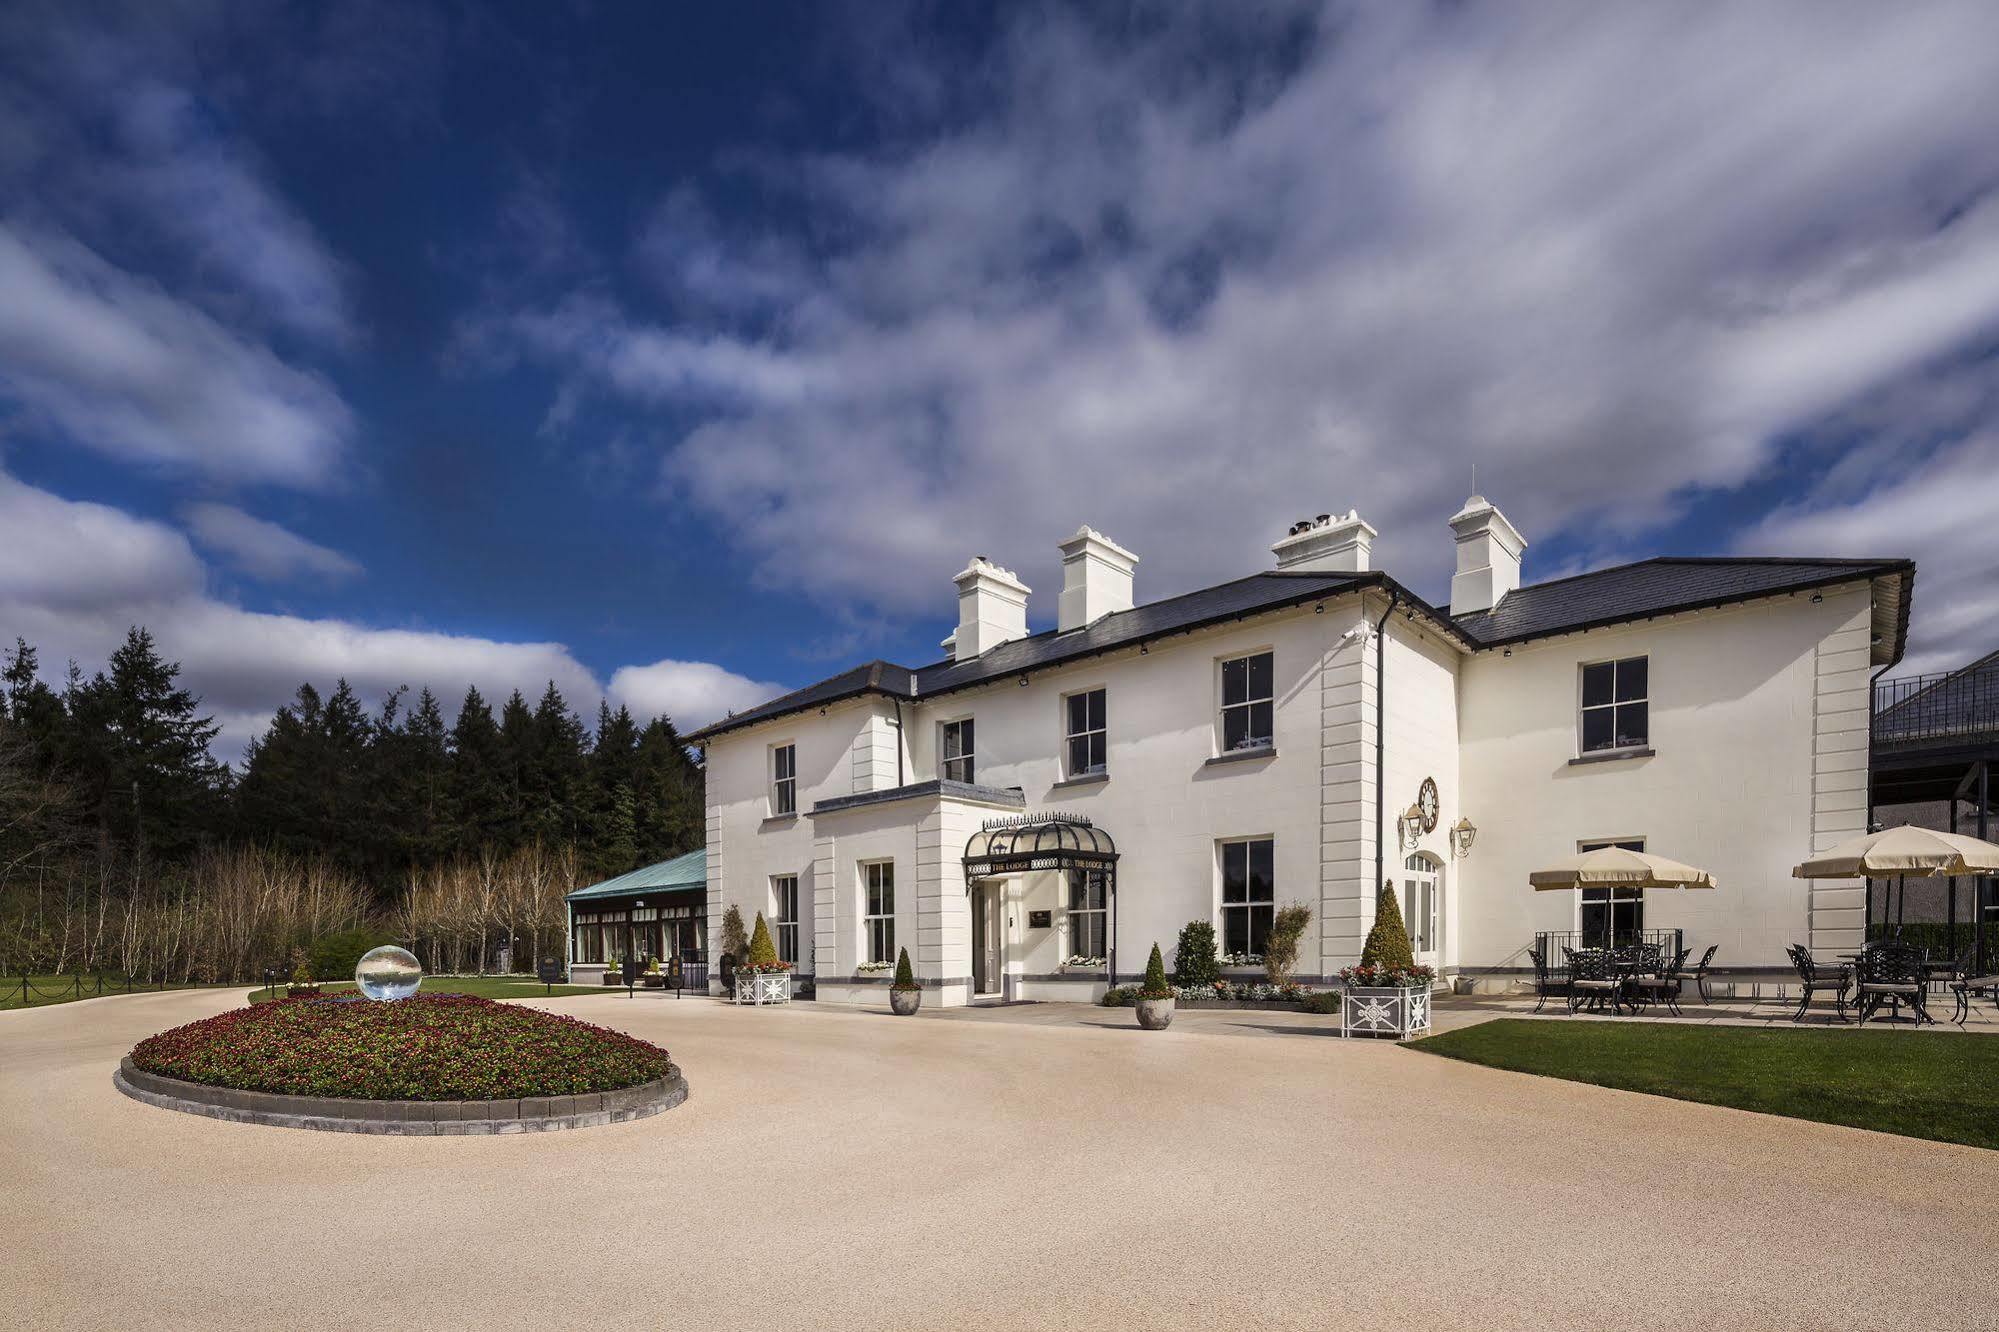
(688, 871)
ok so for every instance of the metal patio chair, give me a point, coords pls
(1815, 977)
(1662, 985)
(1698, 973)
(1549, 982)
(1966, 984)
(1891, 973)
(1594, 980)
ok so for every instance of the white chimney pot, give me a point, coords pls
(992, 609)
(1329, 543)
(1488, 557)
(1096, 579)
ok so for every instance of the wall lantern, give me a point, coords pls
(1463, 833)
(1409, 828)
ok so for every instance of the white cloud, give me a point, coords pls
(1943, 511)
(74, 576)
(122, 368)
(693, 693)
(1614, 255)
(261, 547)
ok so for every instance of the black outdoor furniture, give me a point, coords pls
(1594, 980)
(1698, 973)
(1659, 984)
(1815, 977)
(1549, 982)
(1892, 974)
(1964, 985)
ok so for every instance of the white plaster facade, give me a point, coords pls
(1757, 756)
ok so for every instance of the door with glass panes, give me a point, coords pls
(1423, 906)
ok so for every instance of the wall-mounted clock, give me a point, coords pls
(1426, 800)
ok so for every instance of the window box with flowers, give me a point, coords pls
(763, 979)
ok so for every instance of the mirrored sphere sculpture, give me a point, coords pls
(388, 972)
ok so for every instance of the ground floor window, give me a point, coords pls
(784, 896)
(1088, 938)
(879, 881)
(1611, 917)
(1249, 896)
(1422, 901)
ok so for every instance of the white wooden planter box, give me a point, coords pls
(763, 987)
(1385, 1010)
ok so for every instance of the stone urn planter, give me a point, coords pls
(1399, 1011)
(1155, 1014)
(904, 1003)
(763, 987)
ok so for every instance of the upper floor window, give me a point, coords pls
(784, 780)
(1085, 714)
(1249, 898)
(784, 902)
(958, 766)
(1246, 702)
(1615, 711)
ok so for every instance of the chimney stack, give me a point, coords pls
(1096, 579)
(1488, 557)
(992, 609)
(1329, 543)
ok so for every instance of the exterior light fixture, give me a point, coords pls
(1463, 833)
(1817, 597)
(1409, 828)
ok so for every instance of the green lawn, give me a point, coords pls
(45, 990)
(485, 987)
(1922, 1085)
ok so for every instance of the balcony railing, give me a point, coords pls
(1917, 710)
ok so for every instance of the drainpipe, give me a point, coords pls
(899, 782)
(1380, 737)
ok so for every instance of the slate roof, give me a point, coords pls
(1660, 586)
(1564, 605)
(688, 871)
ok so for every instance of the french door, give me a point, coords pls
(1423, 906)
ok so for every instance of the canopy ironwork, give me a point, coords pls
(1025, 843)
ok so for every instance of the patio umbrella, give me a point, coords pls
(1902, 851)
(1615, 867)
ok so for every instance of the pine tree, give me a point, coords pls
(155, 791)
(557, 799)
(480, 779)
(672, 819)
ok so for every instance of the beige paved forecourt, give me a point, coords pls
(849, 1170)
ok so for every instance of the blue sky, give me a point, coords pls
(680, 353)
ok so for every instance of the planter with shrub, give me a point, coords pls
(1155, 997)
(905, 996)
(302, 985)
(1388, 994)
(762, 979)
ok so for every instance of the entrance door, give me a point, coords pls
(1423, 906)
(986, 938)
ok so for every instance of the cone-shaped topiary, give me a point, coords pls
(763, 953)
(905, 975)
(1388, 942)
(1155, 986)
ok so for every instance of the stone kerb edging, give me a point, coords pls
(529, 1114)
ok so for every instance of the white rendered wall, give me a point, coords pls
(1733, 787)
(1422, 741)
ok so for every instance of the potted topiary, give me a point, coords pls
(1388, 994)
(762, 979)
(1155, 997)
(905, 996)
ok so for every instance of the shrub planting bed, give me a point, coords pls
(448, 1047)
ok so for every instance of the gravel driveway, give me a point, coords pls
(844, 1169)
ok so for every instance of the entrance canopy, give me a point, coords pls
(1026, 842)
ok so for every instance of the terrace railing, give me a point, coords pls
(1916, 710)
(1551, 943)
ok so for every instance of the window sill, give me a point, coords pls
(1613, 755)
(1243, 755)
(778, 821)
(1087, 779)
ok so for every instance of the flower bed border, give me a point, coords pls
(528, 1114)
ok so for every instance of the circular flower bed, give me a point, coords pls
(447, 1047)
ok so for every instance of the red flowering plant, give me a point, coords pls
(1374, 974)
(446, 1047)
(763, 953)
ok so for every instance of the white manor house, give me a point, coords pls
(1031, 814)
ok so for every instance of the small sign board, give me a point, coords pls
(631, 972)
(1040, 920)
(551, 972)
